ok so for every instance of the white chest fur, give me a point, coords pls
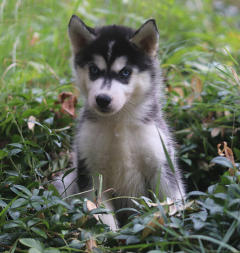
(127, 155)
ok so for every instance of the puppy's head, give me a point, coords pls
(113, 64)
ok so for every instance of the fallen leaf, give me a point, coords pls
(153, 224)
(68, 103)
(31, 123)
(178, 91)
(90, 245)
(224, 150)
(215, 131)
(197, 87)
(91, 206)
(172, 207)
(41, 215)
(210, 117)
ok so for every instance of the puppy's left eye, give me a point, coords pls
(94, 70)
(125, 73)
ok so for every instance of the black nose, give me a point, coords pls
(103, 101)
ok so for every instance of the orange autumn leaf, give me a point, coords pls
(68, 103)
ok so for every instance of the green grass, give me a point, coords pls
(199, 54)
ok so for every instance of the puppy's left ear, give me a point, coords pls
(80, 34)
(146, 38)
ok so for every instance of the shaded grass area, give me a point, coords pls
(199, 55)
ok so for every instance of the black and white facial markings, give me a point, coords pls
(118, 70)
(109, 83)
(110, 61)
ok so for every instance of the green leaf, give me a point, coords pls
(3, 153)
(76, 244)
(2, 213)
(228, 234)
(2, 203)
(32, 243)
(51, 250)
(39, 232)
(198, 224)
(16, 145)
(132, 239)
(169, 160)
(13, 248)
(196, 193)
(213, 240)
(99, 211)
(223, 161)
(137, 228)
(34, 250)
(14, 151)
(20, 189)
(15, 224)
(19, 202)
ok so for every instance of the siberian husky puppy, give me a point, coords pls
(121, 132)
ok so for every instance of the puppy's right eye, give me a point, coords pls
(125, 73)
(94, 70)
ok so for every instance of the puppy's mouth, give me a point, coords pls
(105, 111)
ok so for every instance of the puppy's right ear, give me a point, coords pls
(146, 38)
(80, 35)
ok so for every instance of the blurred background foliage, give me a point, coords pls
(199, 55)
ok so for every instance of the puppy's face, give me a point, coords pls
(112, 63)
(107, 87)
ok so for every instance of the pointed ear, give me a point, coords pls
(146, 37)
(80, 35)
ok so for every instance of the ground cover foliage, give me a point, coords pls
(199, 55)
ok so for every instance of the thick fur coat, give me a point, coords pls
(121, 127)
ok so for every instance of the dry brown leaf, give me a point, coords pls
(197, 87)
(171, 207)
(216, 131)
(90, 245)
(224, 150)
(91, 206)
(31, 123)
(210, 117)
(41, 215)
(153, 224)
(177, 90)
(34, 39)
(68, 103)
(235, 76)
